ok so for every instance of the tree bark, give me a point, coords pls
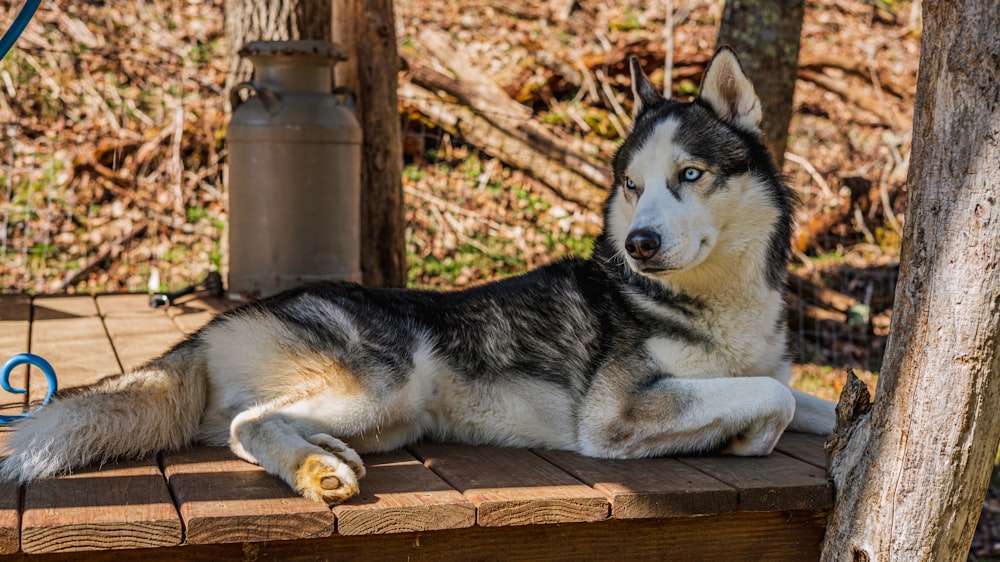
(270, 20)
(911, 474)
(365, 29)
(765, 34)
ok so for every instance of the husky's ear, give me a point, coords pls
(643, 92)
(728, 91)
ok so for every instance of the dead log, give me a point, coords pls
(863, 101)
(823, 296)
(465, 123)
(861, 69)
(813, 319)
(492, 103)
(862, 193)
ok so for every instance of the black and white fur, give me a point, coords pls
(670, 339)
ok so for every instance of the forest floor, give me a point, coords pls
(112, 154)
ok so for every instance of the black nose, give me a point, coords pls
(642, 244)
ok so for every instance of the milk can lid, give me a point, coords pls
(307, 47)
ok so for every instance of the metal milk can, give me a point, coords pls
(294, 171)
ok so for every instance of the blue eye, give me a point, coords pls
(691, 174)
(629, 184)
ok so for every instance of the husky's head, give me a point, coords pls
(695, 189)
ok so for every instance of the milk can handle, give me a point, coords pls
(350, 98)
(271, 100)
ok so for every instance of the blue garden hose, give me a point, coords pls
(27, 359)
(17, 28)
(6, 42)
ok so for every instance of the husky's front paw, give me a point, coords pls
(777, 406)
(753, 444)
(330, 477)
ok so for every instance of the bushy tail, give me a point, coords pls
(155, 408)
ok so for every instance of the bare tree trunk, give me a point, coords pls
(270, 20)
(365, 29)
(766, 35)
(911, 474)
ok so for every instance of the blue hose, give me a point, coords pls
(6, 42)
(16, 28)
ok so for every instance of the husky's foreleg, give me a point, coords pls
(672, 415)
(813, 414)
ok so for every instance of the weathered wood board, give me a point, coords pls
(222, 499)
(120, 506)
(647, 488)
(399, 494)
(513, 486)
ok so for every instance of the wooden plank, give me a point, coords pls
(61, 308)
(68, 333)
(804, 446)
(119, 506)
(399, 494)
(191, 315)
(15, 318)
(138, 333)
(10, 493)
(10, 496)
(10, 517)
(224, 499)
(122, 506)
(15, 329)
(644, 488)
(513, 486)
(731, 537)
(772, 483)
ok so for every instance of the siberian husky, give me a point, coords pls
(671, 338)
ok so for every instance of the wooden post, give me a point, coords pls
(911, 474)
(365, 29)
(270, 20)
(765, 34)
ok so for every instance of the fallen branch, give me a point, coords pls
(850, 94)
(818, 321)
(465, 123)
(817, 63)
(821, 295)
(809, 233)
(490, 100)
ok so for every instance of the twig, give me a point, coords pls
(811, 170)
(859, 218)
(619, 111)
(668, 59)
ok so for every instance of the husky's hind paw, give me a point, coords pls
(329, 477)
(339, 448)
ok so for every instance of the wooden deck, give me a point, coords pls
(429, 502)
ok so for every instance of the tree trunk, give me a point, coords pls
(365, 29)
(270, 20)
(765, 34)
(911, 474)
